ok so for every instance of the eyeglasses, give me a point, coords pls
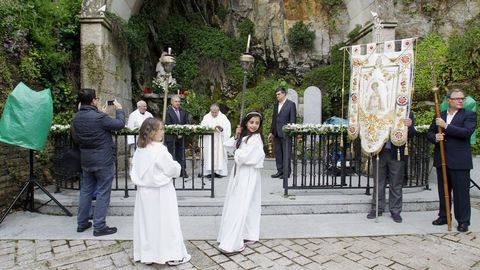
(458, 99)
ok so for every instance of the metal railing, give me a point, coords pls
(330, 161)
(193, 161)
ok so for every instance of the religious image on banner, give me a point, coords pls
(380, 93)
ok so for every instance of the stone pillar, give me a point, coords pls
(105, 66)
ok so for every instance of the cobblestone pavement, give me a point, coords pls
(430, 251)
(434, 251)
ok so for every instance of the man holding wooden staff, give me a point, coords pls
(457, 126)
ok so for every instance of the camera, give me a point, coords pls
(110, 102)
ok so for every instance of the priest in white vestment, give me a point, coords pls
(157, 235)
(240, 223)
(136, 118)
(219, 121)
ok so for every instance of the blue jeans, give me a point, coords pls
(97, 182)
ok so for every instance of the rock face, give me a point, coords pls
(273, 19)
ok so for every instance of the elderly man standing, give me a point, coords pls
(136, 118)
(175, 143)
(97, 151)
(457, 126)
(217, 120)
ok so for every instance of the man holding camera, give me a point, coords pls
(97, 151)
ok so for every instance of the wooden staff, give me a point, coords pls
(444, 164)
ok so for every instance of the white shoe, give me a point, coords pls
(184, 260)
(232, 252)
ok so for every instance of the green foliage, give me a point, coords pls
(432, 50)
(40, 38)
(260, 98)
(424, 117)
(63, 118)
(246, 27)
(94, 65)
(355, 31)
(197, 105)
(300, 37)
(464, 56)
(30, 67)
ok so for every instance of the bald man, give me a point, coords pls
(136, 118)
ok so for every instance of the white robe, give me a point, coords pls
(242, 207)
(220, 154)
(157, 236)
(135, 120)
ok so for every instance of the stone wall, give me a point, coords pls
(13, 172)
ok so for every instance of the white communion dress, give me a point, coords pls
(157, 236)
(242, 207)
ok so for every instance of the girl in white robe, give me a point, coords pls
(157, 236)
(240, 222)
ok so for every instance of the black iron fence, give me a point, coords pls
(193, 161)
(325, 161)
(330, 161)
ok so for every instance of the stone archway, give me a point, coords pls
(104, 65)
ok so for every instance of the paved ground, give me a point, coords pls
(444, 250)
(434, 251)
(321, 241)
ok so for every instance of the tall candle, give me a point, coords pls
(248, 43)
(169, 50)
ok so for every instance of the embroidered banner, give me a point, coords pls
(380, 92)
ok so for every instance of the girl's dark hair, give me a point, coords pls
(148, 130)
(245, 131)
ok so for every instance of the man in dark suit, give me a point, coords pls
(284, 112)
(457, 126)
(176, 143)
(391, 167)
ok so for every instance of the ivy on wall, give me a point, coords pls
(93, 64)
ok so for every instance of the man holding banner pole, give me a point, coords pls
(391, 166)
(457, 125)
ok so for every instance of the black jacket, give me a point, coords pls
(287, 115)
(458, 153)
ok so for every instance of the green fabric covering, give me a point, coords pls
(27, 117)
(469, 104)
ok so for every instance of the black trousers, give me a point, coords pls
(176, 147)
(459, 183)
(282, 149)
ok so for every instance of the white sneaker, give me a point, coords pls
(184, 260)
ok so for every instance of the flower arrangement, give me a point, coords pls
(60, 129)
(318, 129)
(187, 129)
(169, 129)
(422, 128)
(314, 128)
(159, 83)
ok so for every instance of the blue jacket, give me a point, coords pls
(93, 130)
(458, 153)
